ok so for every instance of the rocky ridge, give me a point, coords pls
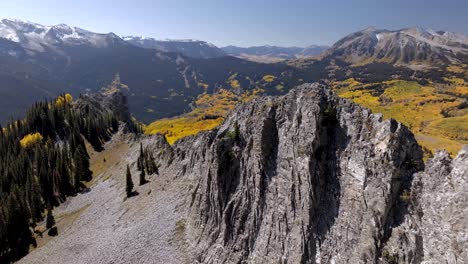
(304, 178)
(108, 100)
(308, 178)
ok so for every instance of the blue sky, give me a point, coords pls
(243, 22)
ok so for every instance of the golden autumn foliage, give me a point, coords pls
(61, 100)
(68, 98)
(209, 112)
(419, 107)
(280, 87)
(234, 83)
(269, 78)
(31, 139)
(457, 68)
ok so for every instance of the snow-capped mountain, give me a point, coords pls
(39, 61)
(34, 37)
(189, 48)
(405, 46)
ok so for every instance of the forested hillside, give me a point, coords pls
(43, 160)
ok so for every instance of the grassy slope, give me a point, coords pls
(419, 107)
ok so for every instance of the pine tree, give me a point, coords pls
(50, 221)
(81, 168)
(152, 167)
(129, 183)
(140, 164)
(142, 177)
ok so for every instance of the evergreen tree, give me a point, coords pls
(129, 183)
(142, 177)
(50, 221)
(36, 173)
(140, 164)
(152, 167)
(81, 169)
(146, 161)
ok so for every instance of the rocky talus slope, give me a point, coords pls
(303, 178)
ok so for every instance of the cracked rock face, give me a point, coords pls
(435, 231)
(303, 178)
(444, 203)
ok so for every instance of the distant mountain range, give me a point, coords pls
(164, 77)
(190, 48)
(269, 53)
(39, 62)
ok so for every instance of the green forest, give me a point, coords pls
(43, 160)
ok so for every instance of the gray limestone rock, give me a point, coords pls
(304, 178)
(435, 230)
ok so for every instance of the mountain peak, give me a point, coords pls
(369, 29)
(64, 27)
(414, 45)
(36, 37)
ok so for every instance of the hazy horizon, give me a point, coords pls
(297, 23)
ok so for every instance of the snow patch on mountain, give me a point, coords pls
(406, 46)
(35, 37)
(378, 36)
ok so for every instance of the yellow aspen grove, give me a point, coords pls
(31, 139)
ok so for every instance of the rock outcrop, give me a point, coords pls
(435, 230)
(304, 178)
(107, 101)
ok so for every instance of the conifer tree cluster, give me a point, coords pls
(146, 161)
(146, 165)
(49, 164)
(97, 128)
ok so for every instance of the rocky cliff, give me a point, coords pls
(435, 229)
(304, 178)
